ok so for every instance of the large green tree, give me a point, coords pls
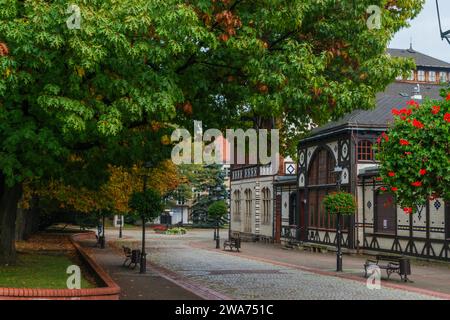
(74, 100)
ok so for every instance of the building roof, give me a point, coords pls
(395, 95)
(421, 59)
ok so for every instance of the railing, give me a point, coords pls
(291, 233)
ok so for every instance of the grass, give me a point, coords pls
(39, 271)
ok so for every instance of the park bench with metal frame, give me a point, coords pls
(392, 264)
(233, 242)
(132, 257)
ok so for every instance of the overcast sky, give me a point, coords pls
(424, 31)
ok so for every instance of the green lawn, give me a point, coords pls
(39, 271)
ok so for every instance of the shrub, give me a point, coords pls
(340, 202)
(176, 231)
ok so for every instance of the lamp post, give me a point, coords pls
(143, 262)
(444, 34)
(338, 172)
(120, 221)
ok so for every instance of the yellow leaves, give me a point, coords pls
(114, 195)
(7, 72)
(80, 71)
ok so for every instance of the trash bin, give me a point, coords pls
(405, 268)
(135, 256)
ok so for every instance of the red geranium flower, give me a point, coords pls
(408, 153)
(423, 172)
(407, 210)
(379, 179)
(416, 184)
(395, 189)
(404, 142)
(385, 136)
(447, 117)
(448, 97)
(391, 174)
(416, 123)
(412, 103)
(435, 109)
(383, 189)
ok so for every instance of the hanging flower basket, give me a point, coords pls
(340, 203)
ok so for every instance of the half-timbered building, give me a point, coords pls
(379, 224)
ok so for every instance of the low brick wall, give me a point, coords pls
(109, 290)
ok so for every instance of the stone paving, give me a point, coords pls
(244, 278)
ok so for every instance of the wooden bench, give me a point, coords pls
(233, 242)
(132, 257)
(389, 263)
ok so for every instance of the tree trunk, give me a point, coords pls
(31, 219)
(8, 212)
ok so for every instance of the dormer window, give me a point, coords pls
(421, 75)
(432, 76)
(443, 76)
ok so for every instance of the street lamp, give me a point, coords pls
(120, 222)
(338, 172)
(444, 34)
(143, 262)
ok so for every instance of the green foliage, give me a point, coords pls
(90, 92)
(148, 204)
(218, 210)
(177, 230)
(340, 202)
(39, 271)
(414, 153)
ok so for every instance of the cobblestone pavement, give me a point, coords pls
(245, 278)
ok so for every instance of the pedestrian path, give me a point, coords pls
(427, 276)
(244, 278)
(135, 286)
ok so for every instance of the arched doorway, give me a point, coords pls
(321, 181)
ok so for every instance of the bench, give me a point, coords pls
(233, 242)
(132, 257)
(392, 264)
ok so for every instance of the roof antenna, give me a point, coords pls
(411, 45)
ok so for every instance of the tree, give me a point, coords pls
(209, 186)
(75, 100)
(217, 212)
(147, 204)
(414, 153)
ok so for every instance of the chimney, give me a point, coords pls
(416, 93)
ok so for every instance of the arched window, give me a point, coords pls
(237, 206)
(321, 168)
(365, 150)
(248, 211)
(266, 205)
(321, 181)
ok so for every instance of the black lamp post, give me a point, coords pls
(143, 262)
(338, 172)
(120, 221)
(444, 34)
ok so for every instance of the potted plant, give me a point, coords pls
(339, 203)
